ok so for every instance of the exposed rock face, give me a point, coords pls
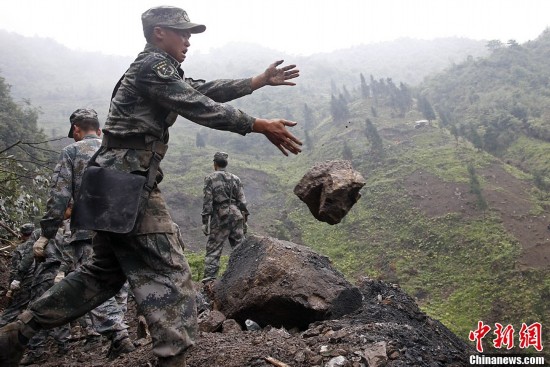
(330, 189)
(280, 283)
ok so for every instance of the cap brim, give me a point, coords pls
(191, 27)
(70, 134)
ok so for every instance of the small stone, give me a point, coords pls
(252, 325)
(339, 361)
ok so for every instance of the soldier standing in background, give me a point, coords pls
(224, 213)
(143, 248)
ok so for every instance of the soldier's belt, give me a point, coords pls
(136, 142)
(227, 202)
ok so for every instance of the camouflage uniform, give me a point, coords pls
(55, 260)
(145, 103)
(107, 318)
(22, 270)
(225, 204)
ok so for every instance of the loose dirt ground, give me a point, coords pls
(505, 195)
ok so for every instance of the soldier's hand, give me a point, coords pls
(15, 285)
(60, 275)
(38, 248)
(245, 228)
(276, 76)
(275, 130)
(205, 229)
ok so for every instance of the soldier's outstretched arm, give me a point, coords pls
(275, 130)
(276, 76)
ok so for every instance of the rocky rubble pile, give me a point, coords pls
(382, 327)
(387, 330)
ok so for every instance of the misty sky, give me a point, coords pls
(293, 26)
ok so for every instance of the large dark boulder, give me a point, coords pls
(330, 189)
(280, 283)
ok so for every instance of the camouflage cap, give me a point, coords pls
(170, 17)
(220, 156)
(81, 114)
(26, 229)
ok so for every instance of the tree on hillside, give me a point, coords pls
(339, 108)
(400, 97)
(475, 138)
(377, 145)
(512, 43)
(365, 90)
(425, 107)
(200, 141)
(493, 45)
(25, 161)
(444, 117)
(375, 89)
(309, 121)
(455, 132)
(346, 94)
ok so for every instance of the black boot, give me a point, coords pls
(120, 347)
(14, 338)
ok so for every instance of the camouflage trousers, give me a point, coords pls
(220, 231)
(107, 318)
(159, 278)
(44, 280)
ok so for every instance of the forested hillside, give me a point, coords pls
(59, 80)
(501, 103)
(458, 227)
(25, 163)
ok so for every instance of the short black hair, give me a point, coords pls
(88, 124)
(220, 163)
(148, 33)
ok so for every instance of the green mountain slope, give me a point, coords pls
(459, 228)
(418, 224)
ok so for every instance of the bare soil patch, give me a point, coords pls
(505, 194)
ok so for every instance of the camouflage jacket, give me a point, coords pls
(147, 100)
(222, 187)
(66, 181)
(22, 260)
(154, 90)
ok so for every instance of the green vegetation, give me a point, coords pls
(24, 156)
(462, 262)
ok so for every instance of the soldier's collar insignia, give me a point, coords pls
(164, 69)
